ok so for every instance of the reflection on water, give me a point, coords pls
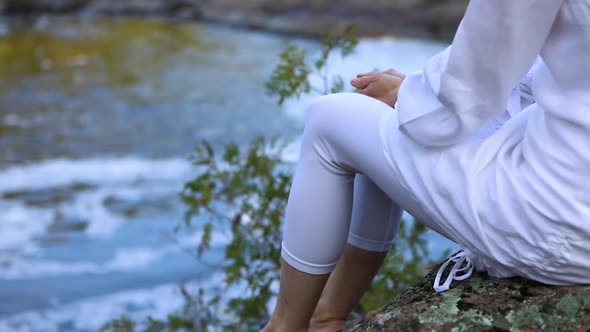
(109, 46)
(68, 56)
(84, 86)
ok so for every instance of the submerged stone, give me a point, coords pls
(47, 196)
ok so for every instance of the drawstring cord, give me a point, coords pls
(461, 270)
(521, 97)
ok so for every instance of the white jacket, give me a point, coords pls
(525, 209)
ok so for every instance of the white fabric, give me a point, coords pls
(334, 198)
(512, 191)
(521, 196)
(469, 83)
(344, 189)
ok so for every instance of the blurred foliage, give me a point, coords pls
(121, 324)
(290, 78)
(243, 193)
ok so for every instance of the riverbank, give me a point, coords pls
(417, 18)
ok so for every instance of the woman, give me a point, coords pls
(517, 199)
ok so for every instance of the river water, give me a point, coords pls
(97, 118)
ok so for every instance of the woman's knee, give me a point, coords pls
(321, 112)
(327, 110)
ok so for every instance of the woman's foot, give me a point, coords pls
(272, 326)
(327, 325)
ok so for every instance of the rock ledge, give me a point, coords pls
(481, 303)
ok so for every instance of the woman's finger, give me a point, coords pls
(367, 74)
(362, 82)
(394, 72)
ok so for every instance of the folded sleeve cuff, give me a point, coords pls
(421, 114)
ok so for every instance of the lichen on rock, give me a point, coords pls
(482, 303)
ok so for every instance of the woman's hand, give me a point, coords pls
(379, 85)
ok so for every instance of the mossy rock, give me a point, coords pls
(482, 303)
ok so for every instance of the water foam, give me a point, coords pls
(23, 225)
(91, 314)
(124, 260)
(97, 171)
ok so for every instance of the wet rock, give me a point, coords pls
(481, 303)
(143, 206)
(63, 223)
(121, 206)
(185, 9)
(17, 7)
(47, 196)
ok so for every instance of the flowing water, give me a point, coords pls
(97, 118)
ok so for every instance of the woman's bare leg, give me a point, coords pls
(347, 284)
(375, 222)
(296, 301)
(341, 139)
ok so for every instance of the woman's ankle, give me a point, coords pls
(271, 327)
(278, 324)
(318, 324)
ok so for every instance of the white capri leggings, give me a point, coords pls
(343, 189)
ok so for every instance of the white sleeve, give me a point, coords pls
(469, 83)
